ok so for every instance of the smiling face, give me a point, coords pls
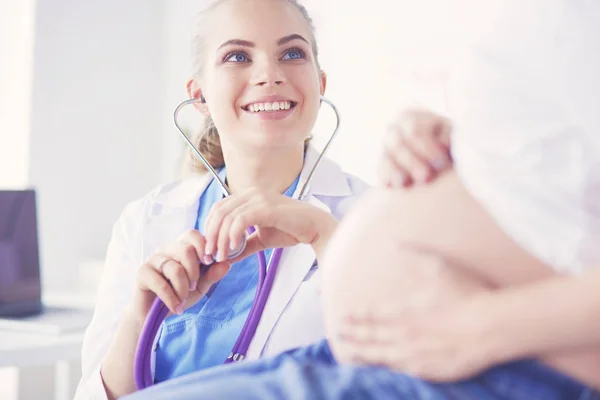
(259, 74)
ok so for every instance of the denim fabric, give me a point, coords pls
(312, 373)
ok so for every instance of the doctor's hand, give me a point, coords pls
(416, 149)
(280, 220)
(432, 332)
(173, 274)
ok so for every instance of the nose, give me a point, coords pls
(268, 74)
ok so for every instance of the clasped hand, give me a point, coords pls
(173, 272)
(281, 222)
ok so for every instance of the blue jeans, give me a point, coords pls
(312, 373)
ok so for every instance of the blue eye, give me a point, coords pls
(294, 54)
(237, 58)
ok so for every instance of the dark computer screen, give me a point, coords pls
(20, 291)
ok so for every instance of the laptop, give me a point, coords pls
(21, 306)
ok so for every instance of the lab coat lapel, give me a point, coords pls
(297, 261)
(172, 212)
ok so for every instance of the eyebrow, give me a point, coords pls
(289, 38)
(280, 42)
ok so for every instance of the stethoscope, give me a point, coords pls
(158, 311)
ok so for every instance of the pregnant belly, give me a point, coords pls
(365, 269)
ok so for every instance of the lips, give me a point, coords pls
(271, 103)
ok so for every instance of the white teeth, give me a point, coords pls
(275, 106)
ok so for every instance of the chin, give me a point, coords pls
(275, 138)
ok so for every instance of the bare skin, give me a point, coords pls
(478, 254)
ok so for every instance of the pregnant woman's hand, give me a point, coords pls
(416, 149)
(281, 222)
(431, 330)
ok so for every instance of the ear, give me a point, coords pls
(194, 92)
(323, 77)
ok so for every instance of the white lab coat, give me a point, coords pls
(292, 316)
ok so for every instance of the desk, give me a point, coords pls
(19, 349)
(47, 362)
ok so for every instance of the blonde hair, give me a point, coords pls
(207, 140)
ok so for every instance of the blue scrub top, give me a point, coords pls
(204, 334)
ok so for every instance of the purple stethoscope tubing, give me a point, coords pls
(142, 364)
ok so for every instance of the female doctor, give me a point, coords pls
(260, 85)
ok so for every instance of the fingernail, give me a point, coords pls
(440, 163)
(193, 285)
(179, 309)
(207, 259)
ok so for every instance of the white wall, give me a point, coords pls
(96, 122)
(380, 56)
(179, 21)
(16, 72)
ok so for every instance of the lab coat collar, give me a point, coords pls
(329, 180)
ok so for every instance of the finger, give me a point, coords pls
(236, 222)
(215, 273)
(391, 175)
(238, 229)
(176, 275)
(444, 132)
(427, 148)
(223, 236)
(152, 280)
(215, 218)
(389, 350)
(407, 158)
(186, 255)
(374, 331)
(246, 216)
(211, 275)
(196, 239)
(397, 147)
(216, 207)
(369, 355)
(427, 133)
(253, 245)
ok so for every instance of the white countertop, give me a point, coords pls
(23, 348)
